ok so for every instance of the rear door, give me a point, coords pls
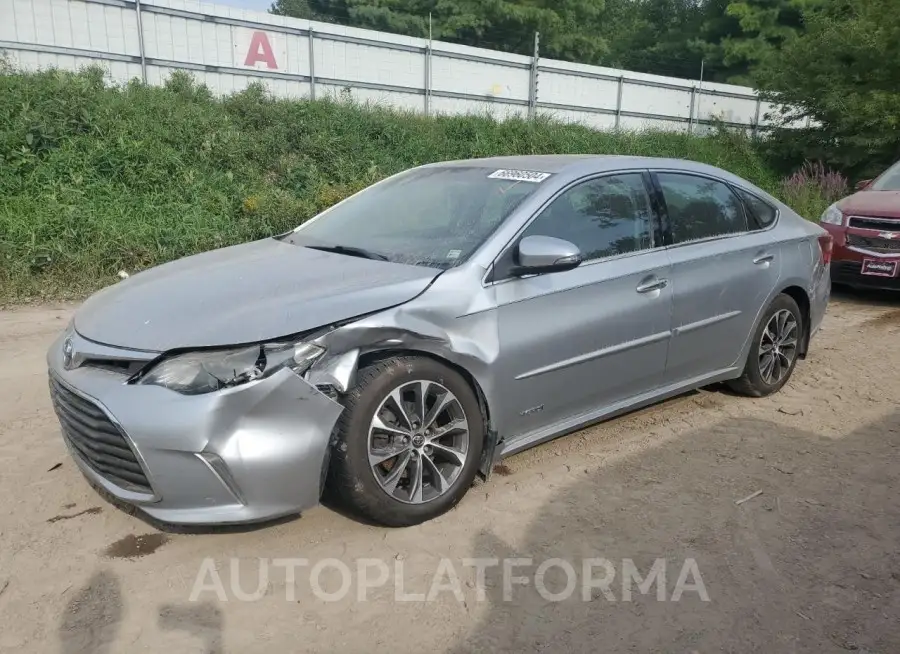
(724, 267)
(574, 341)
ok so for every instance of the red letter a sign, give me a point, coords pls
(260, 50)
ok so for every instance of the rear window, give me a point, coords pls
(700, 207)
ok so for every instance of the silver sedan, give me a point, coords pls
(405, 340)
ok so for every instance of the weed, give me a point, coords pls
(810, 190)
(96, 178)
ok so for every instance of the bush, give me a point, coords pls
(97, 178)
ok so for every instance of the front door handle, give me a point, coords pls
(652, 284)
(763, 258)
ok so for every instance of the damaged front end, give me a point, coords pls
(244, 433)
(248, 452)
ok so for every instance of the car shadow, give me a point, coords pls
(810, 564)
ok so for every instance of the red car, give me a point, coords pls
(866, 231)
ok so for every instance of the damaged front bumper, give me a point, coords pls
(249, 453)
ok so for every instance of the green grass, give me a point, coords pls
(95, 179)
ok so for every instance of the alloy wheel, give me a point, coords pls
(778, 346)
(418, 441)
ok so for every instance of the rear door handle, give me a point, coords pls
(652, 284)
(763, 258)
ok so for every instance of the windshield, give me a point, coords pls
(426, 216)
(889, 180)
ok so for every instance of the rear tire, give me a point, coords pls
(435, 462)
(774, 350)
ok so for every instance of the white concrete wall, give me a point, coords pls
(228, 48)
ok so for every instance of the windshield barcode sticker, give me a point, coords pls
(520, 175)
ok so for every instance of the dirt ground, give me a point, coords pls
(812, 564)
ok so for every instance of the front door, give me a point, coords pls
(572, 342)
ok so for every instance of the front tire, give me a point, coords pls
(408, 444)
(774, 351)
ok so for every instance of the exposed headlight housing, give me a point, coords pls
(195, 373)
(832, 216)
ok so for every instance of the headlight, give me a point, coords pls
(204, 372)
(832, 216)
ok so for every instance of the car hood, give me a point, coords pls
(252, 292)
(884, 204)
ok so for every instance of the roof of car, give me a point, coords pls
(572, 166)
(556, 163)
(569, 167)
(547, 163)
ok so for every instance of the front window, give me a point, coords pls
(604, 217)
(427, 216)
(889, 180)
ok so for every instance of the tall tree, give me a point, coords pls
(842, 76)
(567, 27)
(332, 12)
(740, 34)
(655, 36)
(564, 26)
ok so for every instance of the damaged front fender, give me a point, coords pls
(445, 322)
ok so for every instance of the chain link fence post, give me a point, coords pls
(693, 102)
(699, 94)
(140, 31)
(756, 117)
(619, 93)
(533, 91)
(312, 63)
(428, 70)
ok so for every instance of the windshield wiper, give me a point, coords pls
(350, 251)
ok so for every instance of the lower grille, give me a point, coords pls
(849, 272)
(98, 441)
(328, 390)
(873, 243)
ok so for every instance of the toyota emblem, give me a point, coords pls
(68, 353)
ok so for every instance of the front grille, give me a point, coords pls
(873, 243)
(881, 224)
(117, 366)
(101, 444)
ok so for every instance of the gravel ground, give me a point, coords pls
(809, 565)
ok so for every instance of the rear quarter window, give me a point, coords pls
(761, 213)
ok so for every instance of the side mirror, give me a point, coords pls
(863, 184)
(545, 254)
